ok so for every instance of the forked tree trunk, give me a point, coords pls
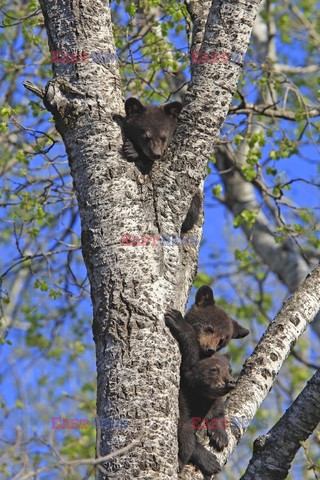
(131, 287)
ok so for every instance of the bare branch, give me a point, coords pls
(268, 112)
(82, 461)
(295, 426)
(261, 368)
(293, 69)
(36, 89)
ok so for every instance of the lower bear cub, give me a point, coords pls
(204, 381)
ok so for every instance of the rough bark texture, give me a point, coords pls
(261, 368)
(285, 260)
(274, 452)
(131, 287)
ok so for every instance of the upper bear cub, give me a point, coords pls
(203, 384)
(213, 326)
(148, 130)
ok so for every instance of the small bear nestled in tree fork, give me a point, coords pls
(148, 131)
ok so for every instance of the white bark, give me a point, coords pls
(274, 452)
(137, 361)
(285, 260)
(131, 287)
(262, 367)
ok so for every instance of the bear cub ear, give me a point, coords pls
(204, 297)
(133, 107)
(227, 355)
(238, 331)
(173, 108)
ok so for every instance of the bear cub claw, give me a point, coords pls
(219, 439)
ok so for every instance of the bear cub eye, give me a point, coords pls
(214, 370)
(209, 329)
(146, 135)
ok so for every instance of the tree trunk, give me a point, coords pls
(131, 287)
(285, 260)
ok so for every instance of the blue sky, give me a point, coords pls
(218, 235)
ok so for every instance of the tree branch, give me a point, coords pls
(36, 89)
(130, 287)
(267, 111)
(284, 260)
(81, 461)
(280, 68)
(294, 427)
(261, 368)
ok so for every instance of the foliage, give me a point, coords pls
(45, 306)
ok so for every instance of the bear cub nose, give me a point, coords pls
(211, 351)
(231, 383)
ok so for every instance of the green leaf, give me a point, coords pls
(131, 9)
(202, 278)
(33, 5)
(271, 171)
(216, 190)
(3, 127)
(6, 112)
(246, 216)
(241, 255)
(21, 157)
(249, 173)
(54, 294)
(238, 139)
(42, 284)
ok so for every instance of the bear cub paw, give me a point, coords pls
(219, 440)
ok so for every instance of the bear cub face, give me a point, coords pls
(149, 129)
(212, 376)
(212, 324)
(204, 382)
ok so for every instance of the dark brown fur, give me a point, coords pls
(214, 327)
(193, 213)
(148, 130)
(203, 384)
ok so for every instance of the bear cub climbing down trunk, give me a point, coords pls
(203, 384)
(205, 377)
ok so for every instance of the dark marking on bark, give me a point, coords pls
(295, 320)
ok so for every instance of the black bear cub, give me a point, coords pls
(148, 130)
(204, 381)
(213, 326)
